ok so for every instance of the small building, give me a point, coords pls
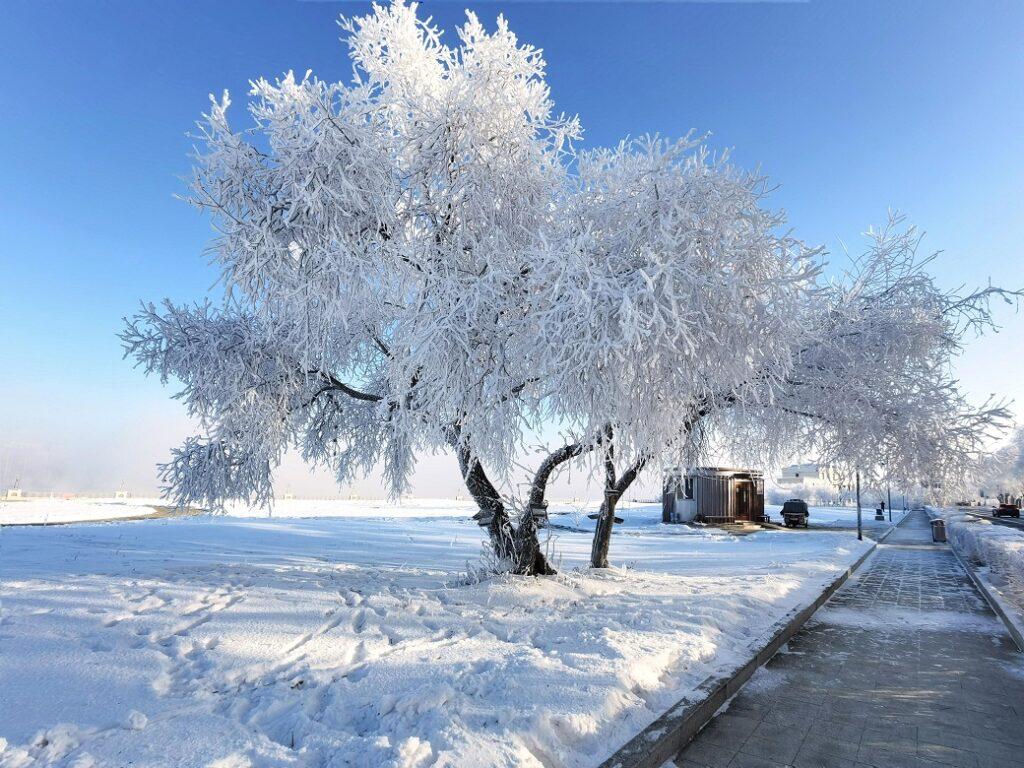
(13, 494)
(714, 495)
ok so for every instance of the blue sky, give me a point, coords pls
(849, 107)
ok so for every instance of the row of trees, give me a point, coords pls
(1001, 474)
(421, 259)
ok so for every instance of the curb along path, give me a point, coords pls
(905, 666)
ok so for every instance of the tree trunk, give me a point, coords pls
(518, 546)
(603, 532)
(488, 500)
(530, 544)
(606, 515)
(539, 486)
(532, 561)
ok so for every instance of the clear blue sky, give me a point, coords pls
(850, 107)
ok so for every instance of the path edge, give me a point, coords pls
(663, 739)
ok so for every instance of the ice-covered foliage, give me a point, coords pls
(377, 242)
(676, 287)
(1001, 473)
(871, 384)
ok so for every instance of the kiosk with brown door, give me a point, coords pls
(714, 495)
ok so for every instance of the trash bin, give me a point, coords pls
(938, 529)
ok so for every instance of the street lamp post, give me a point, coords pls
(860, 529)
(888, 490)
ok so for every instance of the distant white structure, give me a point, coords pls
(13, 494)
(122, 495)
(811, 476)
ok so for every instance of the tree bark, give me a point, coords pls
(489, 502)
(539, 486)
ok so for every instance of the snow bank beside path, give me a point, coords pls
(355, 641)
(997, 549)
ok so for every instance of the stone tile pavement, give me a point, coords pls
(905, 667)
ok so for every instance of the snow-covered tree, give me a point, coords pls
(676, 286)
(1001, 473)
(856, 370)
(377, 242)
(418, 260)
(871, 387)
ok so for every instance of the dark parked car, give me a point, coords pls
(794, 513)
(1006, 510)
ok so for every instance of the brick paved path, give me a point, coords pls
(905, 666)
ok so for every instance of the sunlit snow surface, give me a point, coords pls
(356, 640)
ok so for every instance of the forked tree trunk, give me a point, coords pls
(614, 488)
(518, 546)
(538, 492)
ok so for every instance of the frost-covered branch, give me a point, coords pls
(870, 386)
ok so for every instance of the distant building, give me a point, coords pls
(13, 494)
(714, 495)
(812, 477)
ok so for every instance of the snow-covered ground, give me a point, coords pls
(840, 517)
(36, 511)
(357, 640)
(564, 513)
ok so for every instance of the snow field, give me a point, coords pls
(234, 642)
(59, 510)
(841, 517)
(56, 510)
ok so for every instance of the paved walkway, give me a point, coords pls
(906, 666)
